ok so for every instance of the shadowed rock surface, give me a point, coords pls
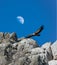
(26, 51)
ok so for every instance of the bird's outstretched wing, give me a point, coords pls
(39, 30)
(37, 33)
(28, 36)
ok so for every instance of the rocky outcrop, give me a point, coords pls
(26, 51)
(52, 62)
(54, 50)
(47, 47)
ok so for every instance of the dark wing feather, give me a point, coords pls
(29, 36)
(39, 30)
(35, 33)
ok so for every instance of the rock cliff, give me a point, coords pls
(26, 51)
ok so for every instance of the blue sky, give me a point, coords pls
(35, 14)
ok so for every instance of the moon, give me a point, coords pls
(20, 19)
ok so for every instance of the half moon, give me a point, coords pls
(20, 19)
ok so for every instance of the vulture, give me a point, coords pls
(37, 33)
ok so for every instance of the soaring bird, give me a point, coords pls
(37, 33)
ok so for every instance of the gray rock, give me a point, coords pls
(3, 60)
(38, 60)
(52, 62)
(25, 51)
(54, 50)
(29, 43)
(38, 54)
(13, 37)
(9, 52)
(2, 48)
(7, 35)
(38, 50)
(47, 47)
(1, 36)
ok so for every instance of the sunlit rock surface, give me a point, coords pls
(54, 50)
(47, 47)
(26, 51)
(52, 62)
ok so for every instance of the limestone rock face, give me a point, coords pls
(52, 62)
(47, 47)
(3, 60)
(54, 50)
(1, 35)
(28, 43)
(13, 37)
(26, 51)
(7, 35)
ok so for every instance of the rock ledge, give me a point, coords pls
(25, 51)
